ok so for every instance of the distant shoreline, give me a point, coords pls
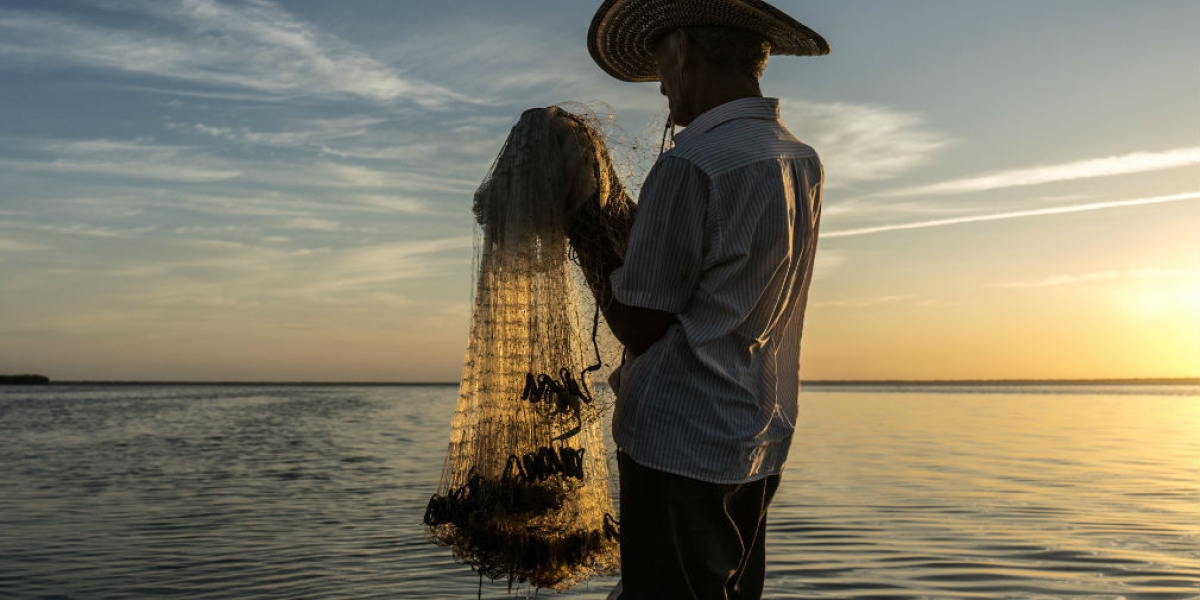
(263, 383)
(952, 382)
(824, 383)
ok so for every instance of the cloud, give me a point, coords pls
(828, 262)
(92, 231)
(1137, 162)
(223, 230)
(354, 139)
(315, 182)
(1163, 273)
(387, 203)
(866, 302)
(15, 246)
(511, 60)
(317, 135)
(136, 268)
(860, 142)
(253, 46)
(1013, 215)
(311, 224)
(140, 159)
(431, 144)
(1098, 276)
(1059, 280)
(354, 269)
(236, 205)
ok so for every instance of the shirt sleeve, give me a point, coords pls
(665, 257)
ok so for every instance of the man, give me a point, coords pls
(709, 298)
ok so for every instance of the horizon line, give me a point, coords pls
(815, 382)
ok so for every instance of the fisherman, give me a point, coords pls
(709, 296)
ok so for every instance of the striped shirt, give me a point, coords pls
(724, 238)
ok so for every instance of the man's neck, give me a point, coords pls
(712, 92)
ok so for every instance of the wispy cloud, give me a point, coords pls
(252, 46)
(139, 158)
(1059, 280)
(313, 132)
(294, 181)
(93, 231)
(216, 231)
(311, 224)
(1056, 280)
(828, 262)
(1136, 162)
(866, 302)
(15, 246)
(388, 203)
(861, 142)
(354, 138)
(1014, 214)
(1164, 273)
(510, 61)
(136, 267)
(369, 267)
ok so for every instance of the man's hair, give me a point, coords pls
(732, 49)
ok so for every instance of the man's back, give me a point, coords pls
(725, 239)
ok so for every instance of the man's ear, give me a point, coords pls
(682, 47)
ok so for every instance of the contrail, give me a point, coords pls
(1015, 215)
(1137, 162)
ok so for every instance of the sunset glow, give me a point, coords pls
(227, 190)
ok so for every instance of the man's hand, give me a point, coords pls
(551, 159)
(590, 182)
(582, 156)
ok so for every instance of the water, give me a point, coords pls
(318, 492)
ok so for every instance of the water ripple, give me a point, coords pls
(298, 492)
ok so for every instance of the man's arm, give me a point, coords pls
(594, 223)
(666, 243)
(636, 328)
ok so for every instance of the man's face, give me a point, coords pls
(669, 64)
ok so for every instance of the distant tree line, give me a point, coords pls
(24, 380)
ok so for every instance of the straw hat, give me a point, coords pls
(621, 32)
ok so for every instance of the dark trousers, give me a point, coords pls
(691, 540)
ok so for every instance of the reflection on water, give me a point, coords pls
(318, 492)
(993, 495)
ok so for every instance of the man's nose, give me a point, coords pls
(662, 89)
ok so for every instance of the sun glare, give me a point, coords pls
(1149, 302)
(1191, 298)
(1157, 300)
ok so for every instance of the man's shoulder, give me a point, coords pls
(741, 144)
(675, 165)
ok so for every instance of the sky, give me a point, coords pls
(254, 190)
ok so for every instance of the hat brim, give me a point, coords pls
(621, 33)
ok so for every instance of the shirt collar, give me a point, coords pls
(742, 108)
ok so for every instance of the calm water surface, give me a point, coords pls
(318, 492)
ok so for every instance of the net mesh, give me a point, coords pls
(524, 492)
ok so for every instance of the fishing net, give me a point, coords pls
(524, 492)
